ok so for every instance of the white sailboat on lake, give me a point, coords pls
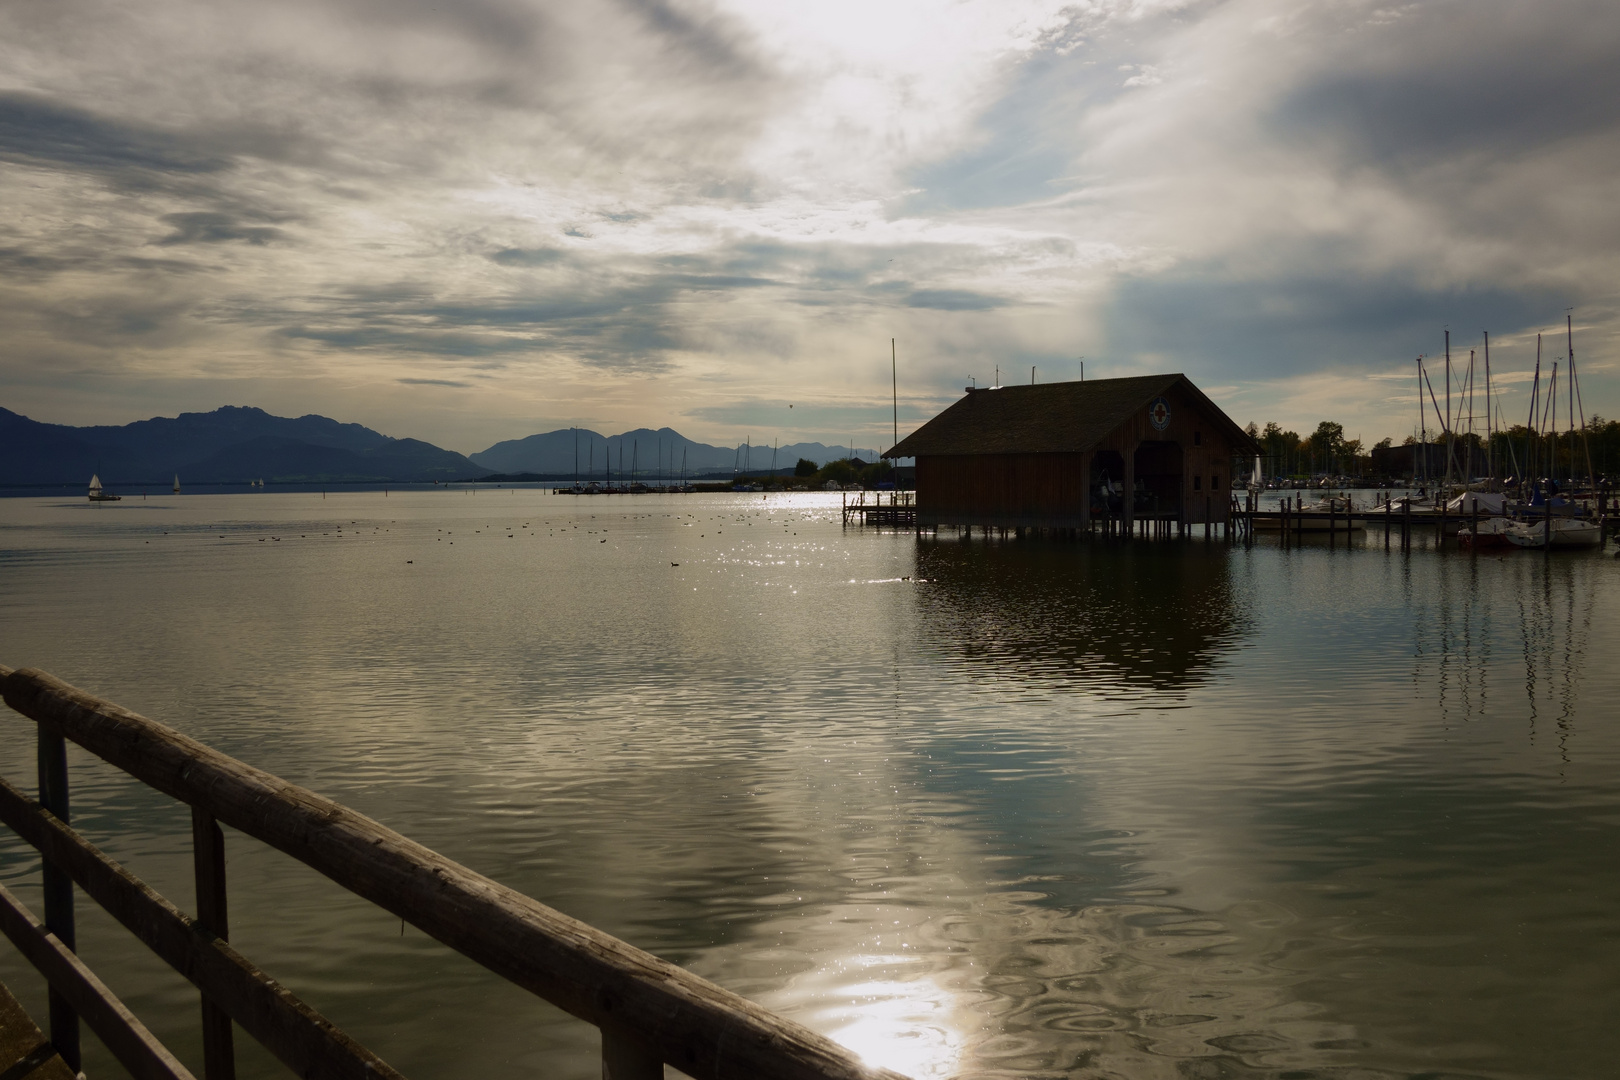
(100, 494)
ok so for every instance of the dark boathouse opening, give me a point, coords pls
(1107, 484)
(1158, 480)
(1065, 455)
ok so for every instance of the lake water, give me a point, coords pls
(1022, 809)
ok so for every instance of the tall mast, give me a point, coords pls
(1570, 412)
(576, 457)
(1549, 421)
(1586, 442)
(1448, 424)
(1423, 430)
(1490, 450)
(1468, 444)
(1530, 441)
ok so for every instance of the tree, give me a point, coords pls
(1280, 447)
(805, 467)
(1328, 439)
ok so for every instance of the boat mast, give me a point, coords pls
(1423, 431)
(1551, 432)
(1530, 439)
(1468, 436)
(1490, 450)
(1586, 441)
(1450, 457)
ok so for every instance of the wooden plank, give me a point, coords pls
(305, 1041)
(136, 1048)
(25, 1052)
(53, 795)
(700, 1028)
(208, 866)
(625, 1057)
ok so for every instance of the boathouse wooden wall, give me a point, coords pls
(1052, 490)
(1003, 489)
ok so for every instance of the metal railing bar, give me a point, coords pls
(702, 1029)
(135, 1047)
(304, 1040)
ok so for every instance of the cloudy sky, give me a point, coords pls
(472, 220)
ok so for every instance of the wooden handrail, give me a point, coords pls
(659, 1011)
(136, 1048)
(305, 1041)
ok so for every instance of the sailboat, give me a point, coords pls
(177, 483)
(97, 494)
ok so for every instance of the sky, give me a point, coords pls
(473, 221)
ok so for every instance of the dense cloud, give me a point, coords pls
(471, 221)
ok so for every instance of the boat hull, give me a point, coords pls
(1564, 535)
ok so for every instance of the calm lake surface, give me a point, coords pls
(1021, 809)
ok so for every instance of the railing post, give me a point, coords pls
(625, 1057)
(53, 796)
(208, 863)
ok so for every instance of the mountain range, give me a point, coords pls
(665, 451)
(234, 444)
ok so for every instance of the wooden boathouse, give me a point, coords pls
(1149, 454)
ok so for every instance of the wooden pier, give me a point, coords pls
(895, 509)
(650, 1012)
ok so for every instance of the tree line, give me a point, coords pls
(1512, 452)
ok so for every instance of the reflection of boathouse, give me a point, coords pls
(1065, 455)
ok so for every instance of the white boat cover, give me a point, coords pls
(1488, 502)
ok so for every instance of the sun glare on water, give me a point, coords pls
(896, 1023)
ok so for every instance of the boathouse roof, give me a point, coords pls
(1054, 418)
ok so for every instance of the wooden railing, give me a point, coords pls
(650, 1012)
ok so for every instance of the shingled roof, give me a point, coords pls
(1052, 418)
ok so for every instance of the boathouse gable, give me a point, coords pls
(1058, 455)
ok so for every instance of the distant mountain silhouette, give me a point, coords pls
(230, 444)
(552, 453)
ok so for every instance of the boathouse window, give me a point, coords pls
(1215, 482)
(1198, 483)
(1198, 438)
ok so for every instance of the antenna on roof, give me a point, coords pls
(1032, 374)
(1082, 369)
(894, 376)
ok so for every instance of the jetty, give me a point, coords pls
(896, 509)
(650, 1013)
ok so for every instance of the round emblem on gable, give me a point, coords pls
(1159, 414)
